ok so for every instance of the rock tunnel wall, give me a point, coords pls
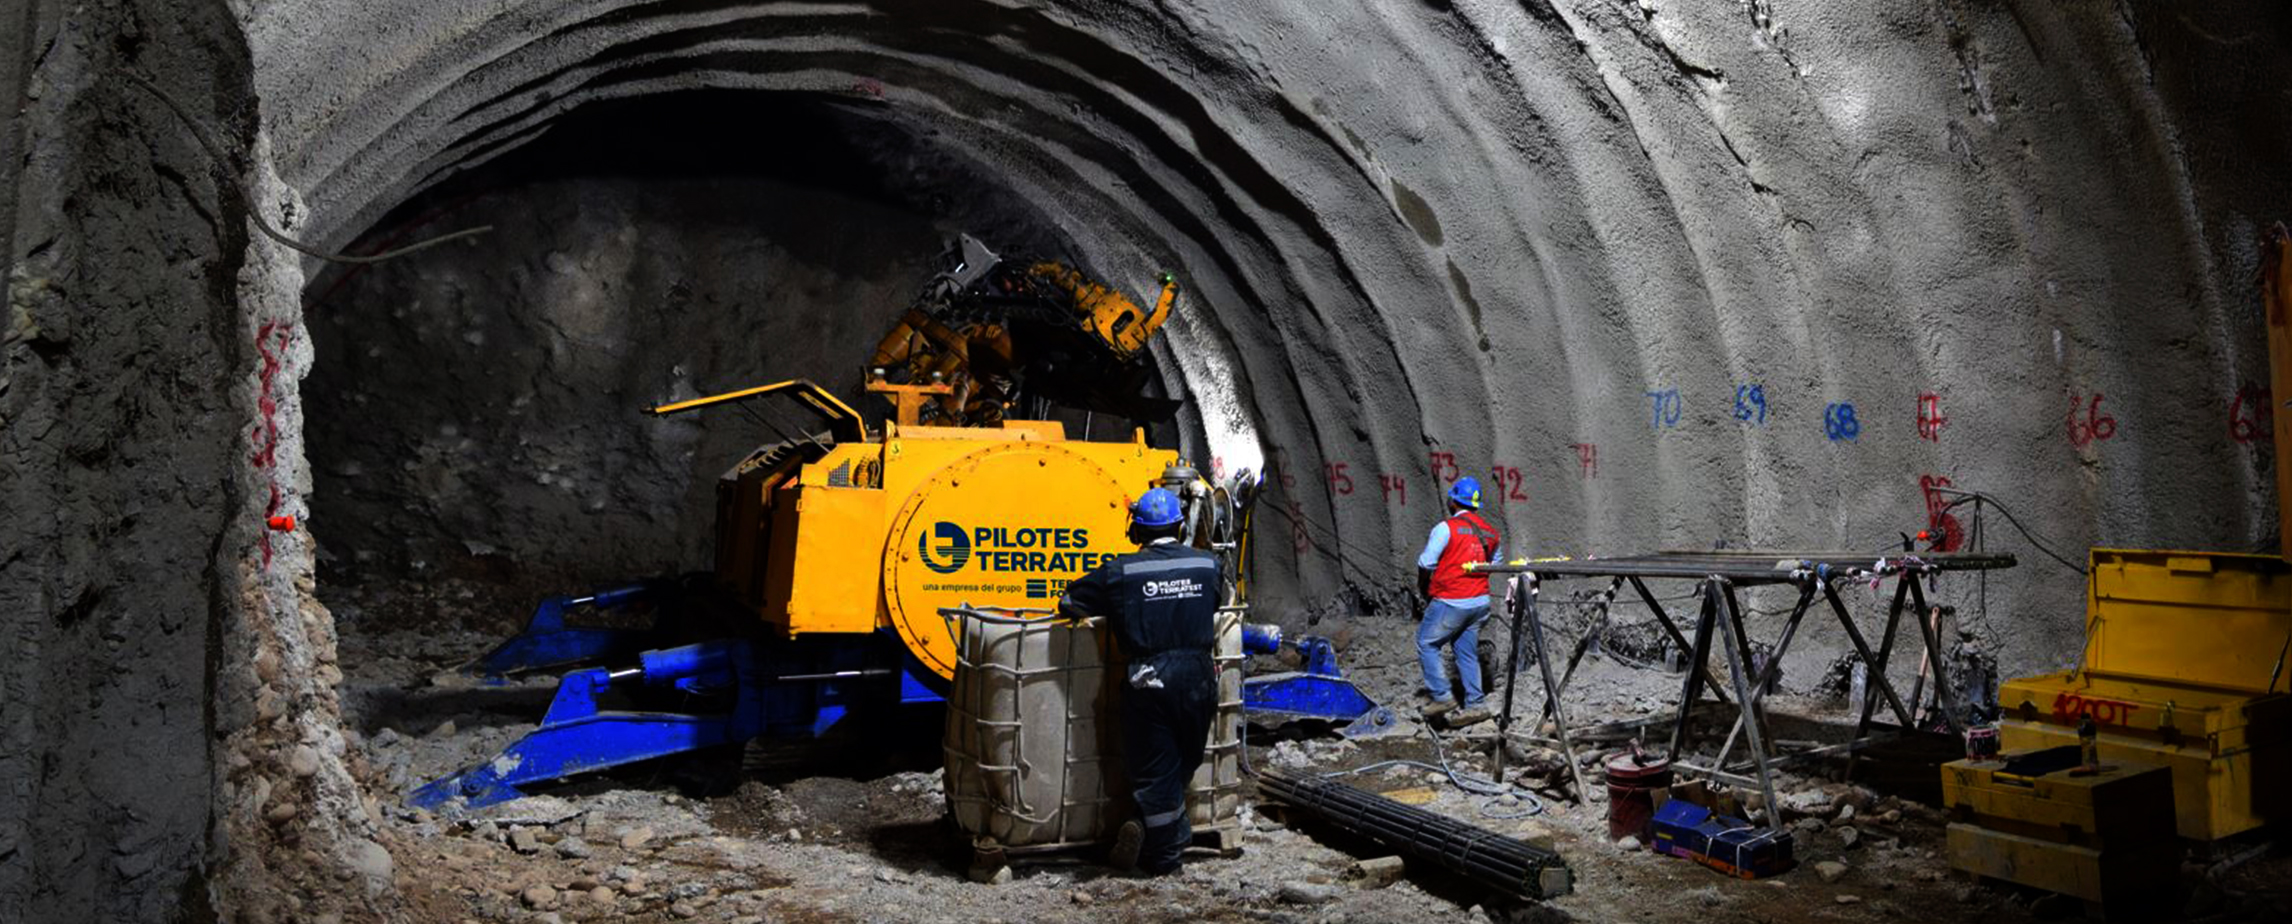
(1675, 274)
(1560, 238)
(120, 493)
(170, 745)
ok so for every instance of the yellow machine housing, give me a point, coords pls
(2179, 652)
(869, 531)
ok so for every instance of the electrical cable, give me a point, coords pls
(255, 208)
(1479, 786)
(1301, 520)
(1967, 497)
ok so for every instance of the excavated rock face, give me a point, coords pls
(121, 505)
(170, 743)
(480, 407)
(167, 718)
(1672, 272)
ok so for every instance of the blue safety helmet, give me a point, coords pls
(1157, 507)
(1466, 491)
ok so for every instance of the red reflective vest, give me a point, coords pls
(1470, 539)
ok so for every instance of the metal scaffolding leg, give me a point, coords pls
(1525, 589)
(1599, 624)
(1730, 626)
(1734, 612)
(1514, 592)
(1672, 629)
(1876, 664)
(1774, 667)
(1699, 653)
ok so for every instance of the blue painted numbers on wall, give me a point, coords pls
(1838, 422)
(1751, 404)
(1665, 407)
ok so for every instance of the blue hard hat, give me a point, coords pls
(1466, 491)
(1157, 507)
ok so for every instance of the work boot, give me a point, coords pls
(1437, 708)
(1127, 841)
(1469, 715)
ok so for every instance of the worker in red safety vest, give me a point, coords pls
(1458, 604)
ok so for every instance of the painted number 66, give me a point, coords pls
(2087, 423)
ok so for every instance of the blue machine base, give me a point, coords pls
(548, 642)
(777, 688)
(1319, 692)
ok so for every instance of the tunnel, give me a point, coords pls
(1660, 275)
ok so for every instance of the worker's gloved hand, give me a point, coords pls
(1144, 677)
(1424, 582)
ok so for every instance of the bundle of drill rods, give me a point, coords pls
(1508, 865)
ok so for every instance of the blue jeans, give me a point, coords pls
(1447, 623)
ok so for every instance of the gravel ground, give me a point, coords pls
(692, 841)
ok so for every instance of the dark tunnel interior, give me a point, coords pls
(478, 412)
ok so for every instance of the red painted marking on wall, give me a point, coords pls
(266, 435)
(2251, 415)
(1394, 486)
(1930, 419)
(1587, 459)
(1340, 480)
(1444, 468)
(267, 432)
(2068, 707)
(1299, 539)
(1507, 480)
(1941, 524)
(2086, 422)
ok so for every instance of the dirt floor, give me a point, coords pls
(708, 839)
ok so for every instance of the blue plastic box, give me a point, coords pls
(1729, 845)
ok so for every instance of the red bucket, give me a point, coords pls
(1632, 782)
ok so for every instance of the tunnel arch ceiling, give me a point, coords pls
(1510, 234)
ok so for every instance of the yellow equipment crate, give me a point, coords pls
(2106, 838)
(2179, 652)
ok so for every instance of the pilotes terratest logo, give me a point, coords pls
(948, 547)
(954, 546)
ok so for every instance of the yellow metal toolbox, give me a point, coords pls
(2030, 818)
(2177, 672)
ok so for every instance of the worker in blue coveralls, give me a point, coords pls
(1458, 604)
(1161, 602)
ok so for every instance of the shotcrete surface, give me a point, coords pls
(1662, 274)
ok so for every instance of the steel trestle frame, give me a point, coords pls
(1717, 574)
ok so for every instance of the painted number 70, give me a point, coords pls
(1664, 408)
